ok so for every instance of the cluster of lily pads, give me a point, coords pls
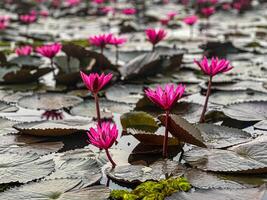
(114, 100)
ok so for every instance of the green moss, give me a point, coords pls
(81, 42)
(152, 190)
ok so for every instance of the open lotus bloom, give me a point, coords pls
(154, 36)
(28, 19)
(24, 50)
(95, 82)
(117, 40)
(100, 40)
(190, 20)
(215, 66)
(103, 136)
(166, 97)
(208, 11)
(49, 50)
(129, 11)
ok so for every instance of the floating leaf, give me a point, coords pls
(49, 101)
(183, 130)
(244, 158)
(5, 107)
(27, 60)
(6, 126)
(125, 93)
(107, 108)
(139, 173)
(247, 111)
(221, 136)
(23, 168)
(262, 125)
(53, 128)
(140, 121)
(67, 189)
(238, 194)
(86, 170)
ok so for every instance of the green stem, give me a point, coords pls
(202, 118)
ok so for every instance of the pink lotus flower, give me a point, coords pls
(155, 36)
(49, 50)
(190, 20)
(24, 50)
(104, 137)
(44, 13)
(216, 66)
(166, 98)
(95, 83)
(107, 9)
(171, 15)
(72, 3)
(101, 40)
(164, 21)
(211, 69)
(208, 11)
(129, 11)
(117, 41)
(27, 19)
(3, 25)
(52, 114)
(98, 1)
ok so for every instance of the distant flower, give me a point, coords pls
(190, 20)
(49, 50)
(3, 25)
(215, 66)
(226, 6)
(117, 41)
(103, 137)
(166, 98)
(44, 13)
(101, 40)
(24, 50)
(129, 11)
(72, 3)
(208, 11)
(27, 19)
(52, 114)
(155, 36)
(171, 15)
(107, 9)
(164, 21)
(95, 82)
(211, 69)
(98, 1)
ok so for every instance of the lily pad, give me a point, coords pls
(49, 101)
(6, 126)
(53, 128)
(140, 173)
(221, 136)
(87, 108)
(23, 168)
(5, 107)
(247, 111)
(238, 194)
(125, 93)
(86, 170)
(262, 125)
(183, 130)
(27, 60)
(67, 189)
(244, 158)
(140, 121)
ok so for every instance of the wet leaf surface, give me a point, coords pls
(67, 189)
(183, 130)
(49, 101)
(247, 111)
(53, 128)
(140, 173)
(22, 168)
(244, 158)
(5, 107)
(221, 136)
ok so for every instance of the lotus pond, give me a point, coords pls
(133, 100)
